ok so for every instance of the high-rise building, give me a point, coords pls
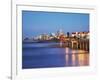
(59, 33)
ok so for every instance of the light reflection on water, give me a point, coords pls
(76, 57)
(36, 56)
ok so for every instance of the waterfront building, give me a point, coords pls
(59, 33)
(82, 35)
(73, 34)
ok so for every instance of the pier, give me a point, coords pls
(82, 44)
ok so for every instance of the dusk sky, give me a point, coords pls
(35, 22)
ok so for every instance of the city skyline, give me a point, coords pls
(35, 22)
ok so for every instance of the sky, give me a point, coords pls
(35, 23)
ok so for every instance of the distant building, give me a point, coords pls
(82, 35)
(25, 39)
(73, 34)
(44, 37)
(59, 33)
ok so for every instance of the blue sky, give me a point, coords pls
(35, 22)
